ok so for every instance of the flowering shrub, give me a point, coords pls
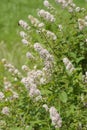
(50, 91)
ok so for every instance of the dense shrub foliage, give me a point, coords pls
(50, 91)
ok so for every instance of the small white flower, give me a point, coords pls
(86, 18)
(46, 3)
(40, 25)
(24, 41)
(5, 111)
(60, 27)
(29, 55)
(23, 24)
(23, 34)
(16, 71)
(77, 9)
(3, 61)
(46, 107)
(15, 95)
(1, 96)
(25, 68)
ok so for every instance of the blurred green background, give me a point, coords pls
(11, 11)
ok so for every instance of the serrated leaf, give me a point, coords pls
(63, 97)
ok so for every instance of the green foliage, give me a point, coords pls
(66, 90)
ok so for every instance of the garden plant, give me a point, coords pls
(49, 91)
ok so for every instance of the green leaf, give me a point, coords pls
(16, 128)
(79, 59)
(63, 97)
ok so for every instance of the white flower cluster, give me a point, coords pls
(1, 96)
(70, 5)
(60, 27)
(46, 15)
(49, 34)
(35, 22)
(85, 77)
(24, 41)
(23, 34)
(48, 58)
(11, 69)
(8, 87)
(46, 107)
(68, 64)
(5, 111)
(55, 117)
(31, 82)
(64, 3)
(75, 8)
(82, 23)
(37, 77)
(29, 55)
(25, 68)
(48, 5)
(24, 24)
(7, 84)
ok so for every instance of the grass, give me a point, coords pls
(11, 12)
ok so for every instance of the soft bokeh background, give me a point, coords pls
(11, 11)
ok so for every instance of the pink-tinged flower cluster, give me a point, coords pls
(31, 82)
(46, 56)
(9, 87)
(7, 84)
(1, 96)
(23, 34)
(70, 5)
(64, 3)
(24, 24)
(55, 117)
(25, 42)
(5, 111)
(37, 77)
(49, 34)
(46, 15)
(48, 5)
(14, 71)
(68, 64)
(25, 68)
(29, 55)
(82, 23)
(35, 22)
